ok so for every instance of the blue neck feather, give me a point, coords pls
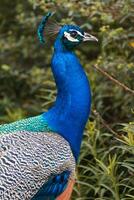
(71, 110)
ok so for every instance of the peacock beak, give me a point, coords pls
(88, 37)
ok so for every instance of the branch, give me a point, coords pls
(114, 80)
(105, 124)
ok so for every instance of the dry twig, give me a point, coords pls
(105, 124)
(114, 80)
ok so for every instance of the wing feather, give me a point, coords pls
(29, 159)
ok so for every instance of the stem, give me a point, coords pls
(116, 188)
(104, 123)
(114, 80)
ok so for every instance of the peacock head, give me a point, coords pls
(69, 36)
(72, 35)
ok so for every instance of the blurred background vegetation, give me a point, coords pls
(106, 165)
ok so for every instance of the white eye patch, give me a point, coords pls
(69, 37)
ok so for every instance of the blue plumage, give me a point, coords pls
(72, 107)
(55, 186)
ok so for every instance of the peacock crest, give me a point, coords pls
(51, 27)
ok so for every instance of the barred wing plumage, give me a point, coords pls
(28, 160)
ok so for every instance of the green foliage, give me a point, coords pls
(106, 164)
(106, 167)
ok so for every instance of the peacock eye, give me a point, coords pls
(73, 33)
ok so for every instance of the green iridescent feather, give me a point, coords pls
(32, 124)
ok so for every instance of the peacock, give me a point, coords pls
(38, 155)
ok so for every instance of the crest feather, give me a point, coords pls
(49, 27)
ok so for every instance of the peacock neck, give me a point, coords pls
(71, 109)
